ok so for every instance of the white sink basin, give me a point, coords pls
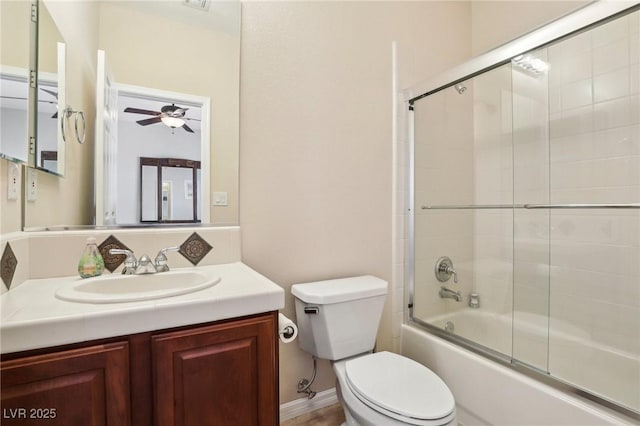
(131, 288)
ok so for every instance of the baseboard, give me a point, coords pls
(297, 407)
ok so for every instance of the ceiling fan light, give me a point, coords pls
(173, 122)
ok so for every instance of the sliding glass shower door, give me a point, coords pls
(526, 210)
(463, 160)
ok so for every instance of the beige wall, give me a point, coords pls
(14, 43)
(316, 139)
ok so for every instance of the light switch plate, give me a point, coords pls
(13, 181)
(220, 199)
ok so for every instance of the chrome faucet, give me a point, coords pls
(145, 266)
(445, 293)
(130, 263)
(161, 259)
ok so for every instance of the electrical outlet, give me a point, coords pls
(13, 181)
(32, 184)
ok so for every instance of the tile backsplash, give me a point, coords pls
(56, 253)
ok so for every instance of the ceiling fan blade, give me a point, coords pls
(148, 121)
(141, 111)
(192, 119)
(187, 128)
(13, 97)
(51, 92)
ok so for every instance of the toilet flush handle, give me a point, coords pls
(311, 310)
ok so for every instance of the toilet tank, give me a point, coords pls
(339, 318)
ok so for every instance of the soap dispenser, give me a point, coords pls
(91, 263)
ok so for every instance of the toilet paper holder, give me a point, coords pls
(287, 330)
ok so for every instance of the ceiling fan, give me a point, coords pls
(171, 115)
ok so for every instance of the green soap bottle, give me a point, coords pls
(91, 263)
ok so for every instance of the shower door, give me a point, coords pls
(464, 207)
(527, 177)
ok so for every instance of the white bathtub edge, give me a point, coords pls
(492, 394)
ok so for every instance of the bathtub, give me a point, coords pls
(490, 393)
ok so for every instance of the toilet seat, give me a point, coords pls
(400, 388)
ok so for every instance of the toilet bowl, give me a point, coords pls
(338, 320)
(384, 388)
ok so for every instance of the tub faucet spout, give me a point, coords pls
(445, 293)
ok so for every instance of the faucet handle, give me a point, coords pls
(130, 263)
(161, 258)
(444, 269)
(453, 272)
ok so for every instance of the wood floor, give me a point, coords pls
(327, 416)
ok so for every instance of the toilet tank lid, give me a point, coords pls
(339, 290)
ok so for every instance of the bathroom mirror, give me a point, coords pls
(14, 88)
(50, 94)
(142, 50)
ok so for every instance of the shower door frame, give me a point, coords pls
(564, 27)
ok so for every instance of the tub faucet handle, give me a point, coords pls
(453, 272)
(444, 270)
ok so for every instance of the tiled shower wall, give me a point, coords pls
(594, 91)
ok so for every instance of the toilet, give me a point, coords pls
(338, 320)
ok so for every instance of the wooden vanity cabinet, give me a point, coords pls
(221, 373)
(85, 386)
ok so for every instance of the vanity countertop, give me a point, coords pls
(32, 317)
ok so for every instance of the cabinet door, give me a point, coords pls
(224, 374)
(87, 386)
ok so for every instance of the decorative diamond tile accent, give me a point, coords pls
(112, 261)
(8, 264)
(195, 248)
